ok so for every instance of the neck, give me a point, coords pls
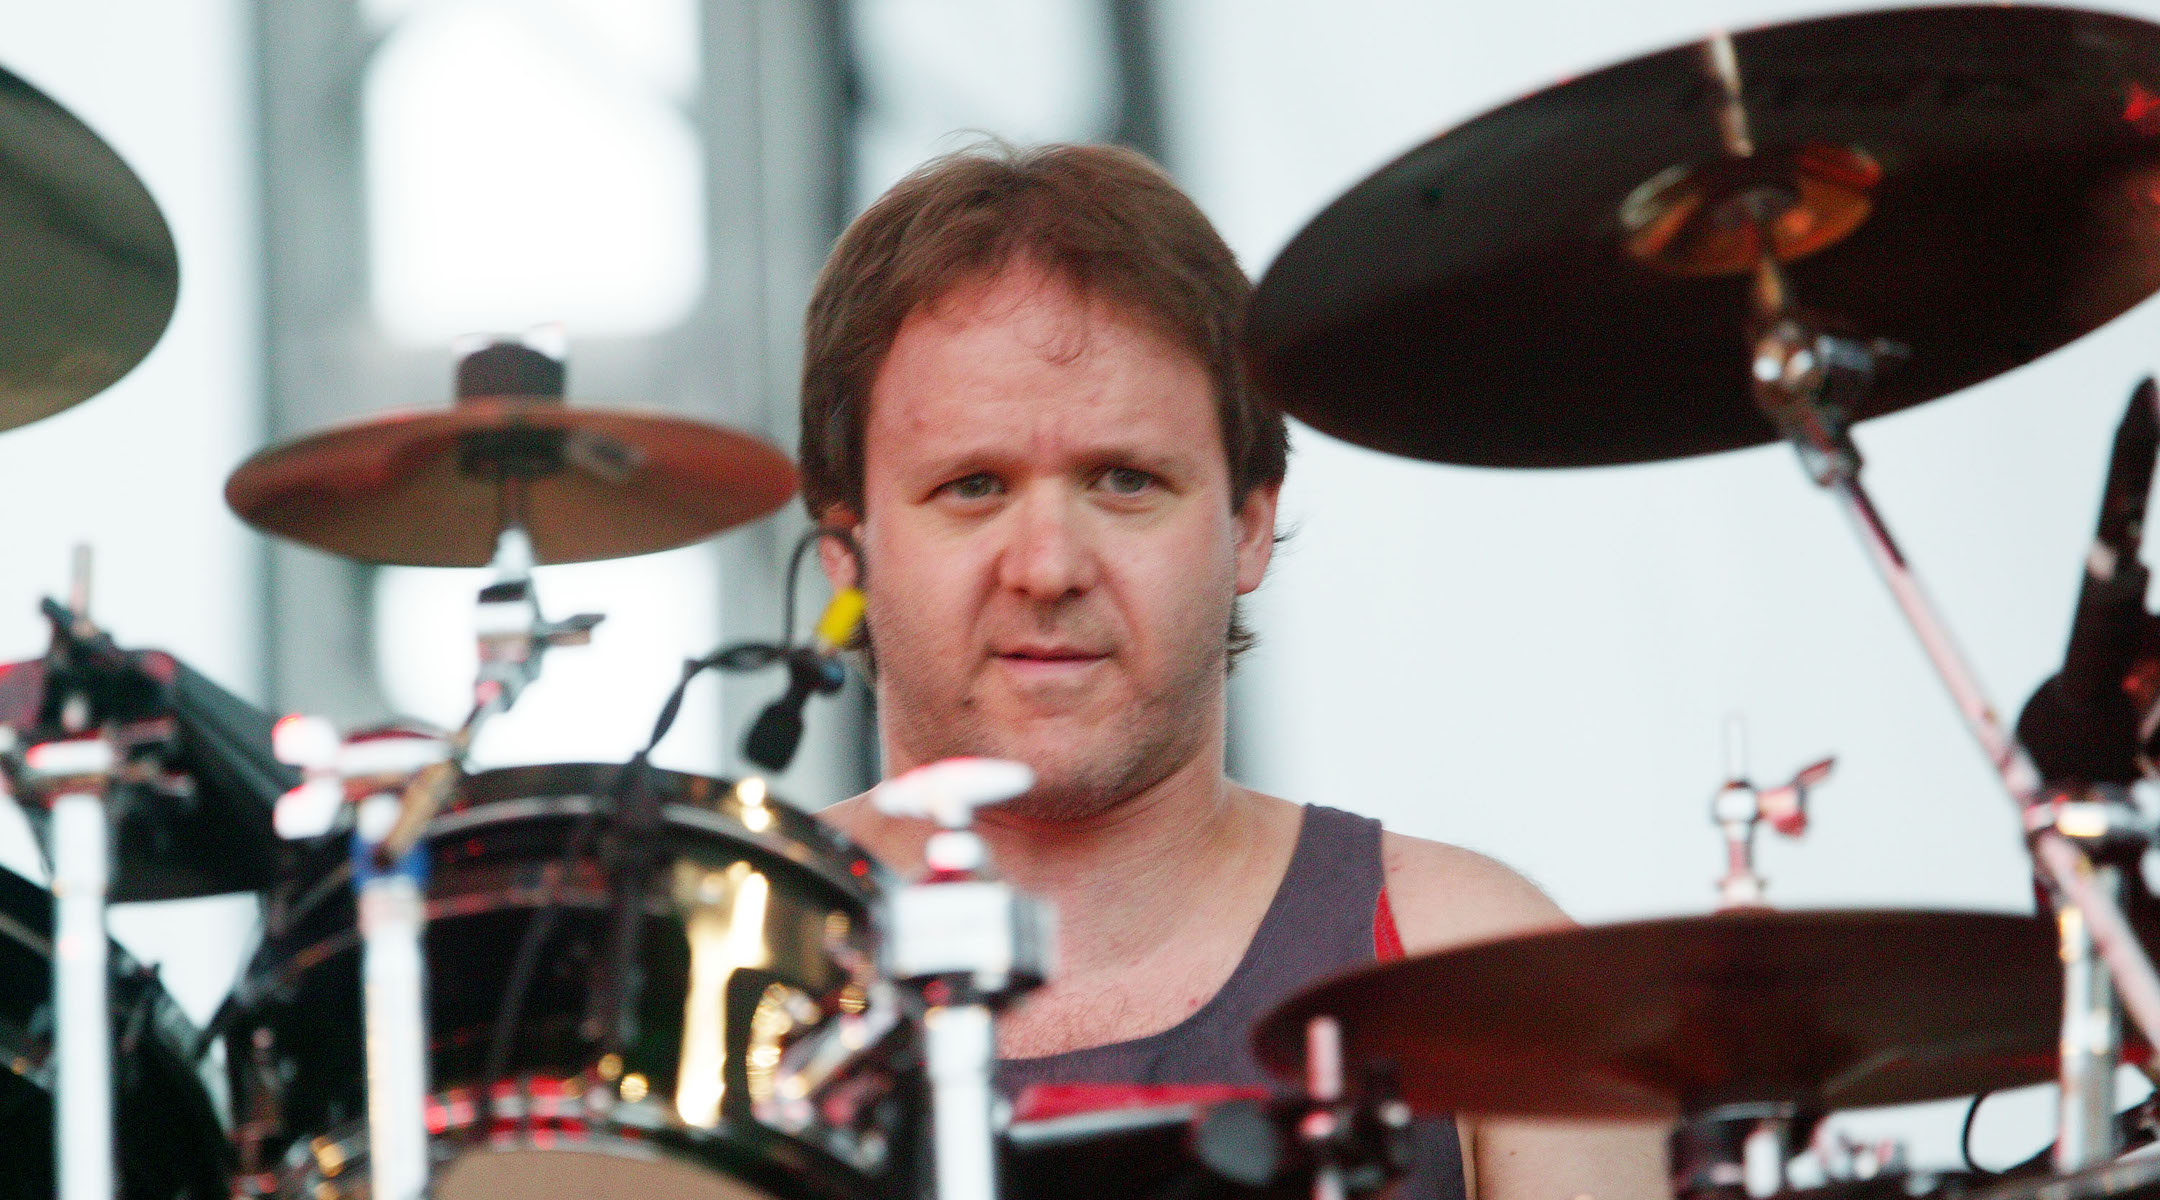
(1125, 880)
(1121, 879)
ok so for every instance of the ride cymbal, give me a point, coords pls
(1561, 281)
(434, 488)
(88, 273)
(1652, 1019)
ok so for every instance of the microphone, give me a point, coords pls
(2083, 724)
(814, 669)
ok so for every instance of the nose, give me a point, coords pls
(1050, 555)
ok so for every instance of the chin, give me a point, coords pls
(1088, 759)
(1064, 802)
(1076, 781)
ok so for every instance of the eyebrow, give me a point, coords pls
(992, 456)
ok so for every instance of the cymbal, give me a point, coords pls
(434, 488)
(1651, 1019)
(1555, 283)
(88, 273)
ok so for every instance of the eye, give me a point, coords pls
(979, 486)
(1127, 481)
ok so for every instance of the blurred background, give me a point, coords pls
(1539, 666)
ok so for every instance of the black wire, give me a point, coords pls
(742, 656)
(794, 571)
(752, 656)
(1965, 1134)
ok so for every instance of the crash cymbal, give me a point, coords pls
(434, 488)
(88, 274)
(1655, 1018)
(1561, 281)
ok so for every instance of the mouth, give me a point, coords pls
(1048, 661)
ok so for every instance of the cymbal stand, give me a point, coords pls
(2111, 835)
(964, 945)
(391, 890)
(1801, 375)
(364, 775)
(76, 774)
(395, 786)
(1805, 379)
(101, 729)
(1736, 1151)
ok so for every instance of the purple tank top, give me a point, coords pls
(1320, 923)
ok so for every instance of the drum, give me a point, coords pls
(756, 921)
(170, 1144)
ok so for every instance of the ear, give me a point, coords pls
(841, 569)
(1256, 535)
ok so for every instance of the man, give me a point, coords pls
(1021, 397)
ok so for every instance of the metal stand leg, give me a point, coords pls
(1733, 1152)
(1324, 1087)
(959, 1049)
(73, 777)
(2060, 865)
(2091, 1041)
(82, 1013)
(393, 917)
(2009, 761)
(965, 944)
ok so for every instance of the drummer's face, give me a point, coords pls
(1051, 543)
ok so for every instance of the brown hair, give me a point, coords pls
(1102, 217)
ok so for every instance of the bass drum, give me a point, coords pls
(169, 1144)
(756, 921)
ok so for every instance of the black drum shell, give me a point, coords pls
(168, 1140)
(494, 861)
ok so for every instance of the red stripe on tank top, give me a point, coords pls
(1386, 938)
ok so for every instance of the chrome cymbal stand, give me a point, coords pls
(1735, 1151)
(365, 776)
(2111, 836)
(1324, 1089)
(965, 945)
(394, 795)
(97, 737)
(76, 775)
(1739, 806)
(1805, 379)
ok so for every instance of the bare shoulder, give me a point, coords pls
(850, 816)
(1444, 895)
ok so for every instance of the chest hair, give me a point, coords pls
(1108, 1007)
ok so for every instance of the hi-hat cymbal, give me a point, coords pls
(1552, 283)
(88, 274)
(1655, 1018)
(434, 488)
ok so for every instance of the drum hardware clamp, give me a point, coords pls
(1739, 806)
